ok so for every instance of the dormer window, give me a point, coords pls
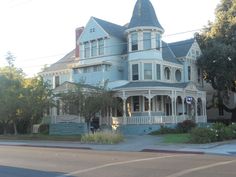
(134, 41)
(147, 41)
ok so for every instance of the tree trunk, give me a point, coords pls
(233, 116)
(15, 128)
(88, 126)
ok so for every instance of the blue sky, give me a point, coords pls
(40, 32)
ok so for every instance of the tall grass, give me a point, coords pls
(107, 137)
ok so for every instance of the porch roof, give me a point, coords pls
(145, 84)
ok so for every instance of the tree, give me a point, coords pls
(36, 100)
(87, 101)
(218, 60)
(10, 95)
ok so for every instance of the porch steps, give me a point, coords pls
(67, 129)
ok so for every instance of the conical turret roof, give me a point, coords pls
(144, 15)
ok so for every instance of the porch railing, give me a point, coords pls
(139, 120)
(66, 119)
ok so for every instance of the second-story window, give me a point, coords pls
(189, 73)
(147, 43)
(158, 71)
(167, 73)
(135, 75)
(86, 50)
(94, 48)
(134, 41)
(57, 81)
(158, 41)
(147, 71)
(100, 47)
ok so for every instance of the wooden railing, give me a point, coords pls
(66, 119)
(140, 120)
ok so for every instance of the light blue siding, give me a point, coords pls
(89, 35)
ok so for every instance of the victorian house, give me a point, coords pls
(157, 82)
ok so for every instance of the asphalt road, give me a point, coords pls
(55, 162)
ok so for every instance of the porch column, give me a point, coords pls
(149, 103)
(196, 116)
(183, 99)
(124, 110)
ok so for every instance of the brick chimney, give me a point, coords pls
(78, 32)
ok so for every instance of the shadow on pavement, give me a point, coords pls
(6, 171)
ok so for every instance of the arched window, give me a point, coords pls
(178, 75)
(167, 73)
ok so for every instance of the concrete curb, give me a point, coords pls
(172, 151)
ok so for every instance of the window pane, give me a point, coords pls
(147, 71)
(167, 73)
(146, 41)
(178, 75)
(136, 105)
(101, 47)
(94, 48)
(158, 69)
(135, 72)
(87, 49)
(158, 41)
(57, 81)
(189, 73)
(134, 41)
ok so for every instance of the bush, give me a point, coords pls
(201, 135)
(164, 130)
(232, 127)
(44, 129)
(220, 131)
(102, 138)
(186, 126)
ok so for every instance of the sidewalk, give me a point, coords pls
(136, 144)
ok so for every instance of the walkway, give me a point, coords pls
(136, 144)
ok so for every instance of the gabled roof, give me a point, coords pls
(167, 54)
(144, 15)
(149, 84)
(62, 63)
(181, 48)
(73, 86)
(111, 28)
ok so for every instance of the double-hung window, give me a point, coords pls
(147, 43)
(134, 41)
(147, 71)
(135, 72)
(86, 49)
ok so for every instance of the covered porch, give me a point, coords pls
(160, 105)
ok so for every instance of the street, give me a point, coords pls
(55, 162)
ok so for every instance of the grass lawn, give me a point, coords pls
(176, 138)
(40, 137)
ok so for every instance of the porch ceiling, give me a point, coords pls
(151, 84)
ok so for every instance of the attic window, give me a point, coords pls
(92, 30)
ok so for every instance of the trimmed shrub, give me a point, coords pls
(186, 126)
(44, 129)
(201, 135)
(232, 127)
(164, 130)
(220, 131)
(102, 138)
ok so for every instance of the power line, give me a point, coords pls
(104, 60)
(118, 44)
